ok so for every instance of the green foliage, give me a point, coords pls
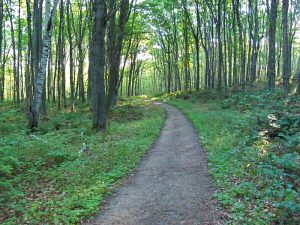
(47, 177)
(252, 143)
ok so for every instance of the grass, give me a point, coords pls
(46, 179)
(253, 144)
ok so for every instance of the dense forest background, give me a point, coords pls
(57, 51)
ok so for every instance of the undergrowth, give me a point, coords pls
(60, 174)
(253, 146)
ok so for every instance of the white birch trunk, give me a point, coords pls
(47, 13)
(40, 79)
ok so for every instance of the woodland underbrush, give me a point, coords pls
(60, 174)
(253, 145)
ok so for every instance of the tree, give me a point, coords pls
(298, 76)
(97, 64)
(1, 38)
(272, 34)
(254, 37)
(286, 69)
(220, 51)
(115, 48)
(70, 38)
(34, 112)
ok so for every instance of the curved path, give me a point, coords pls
(171, 185)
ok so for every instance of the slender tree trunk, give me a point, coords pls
(225, 47)
(1, 38)
(175, 54)
(58, 75)
(197, 83)
(241, 44)
(255, 41)
(220, 51)
(298, 76)
(49, 86)
(286, 69)
(80, 73)
(111, 51)
(235, 78)
(187, 75)
(36, 40)
(16, 91)
(169, 69)
(62, 54)
(230, 45)
(72, 87)
(40, 79)
(29, 66)
(120, 82)
(114, 68)
(272, 34)
(47, 14)
(19, 62)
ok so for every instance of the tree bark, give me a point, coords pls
(235, 79)
(220, 51)
(286, 69)
(1, 38)
(298, 76)
(72, 87)
(272, 34)
(241, 44)
(187, 77)
(98, 65)
(115, 60)
(16, 91)
(40, 79)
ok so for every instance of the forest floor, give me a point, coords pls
(252, 145)
(47, 178)
(171, 185)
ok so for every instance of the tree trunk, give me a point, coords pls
(80, 73)
(230, 45)
(1, 38)
(98, 65)
(286, 69)
(40, 79)
(225, 47)
(111, 51)
(220, 52)
(298, 76)
(241, 44)
(16, 91)
(114, 68)
(72, 87)
(62, 54)
(47, 14)
(28, 82)
(187, 77)
(19, 62)
(235, 79)
(272, 34)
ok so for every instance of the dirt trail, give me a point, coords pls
(170, 187)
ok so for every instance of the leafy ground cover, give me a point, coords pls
(253, 145)
(61, 174)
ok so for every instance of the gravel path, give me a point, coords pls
(170, 187)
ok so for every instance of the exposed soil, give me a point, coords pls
(171, 185)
